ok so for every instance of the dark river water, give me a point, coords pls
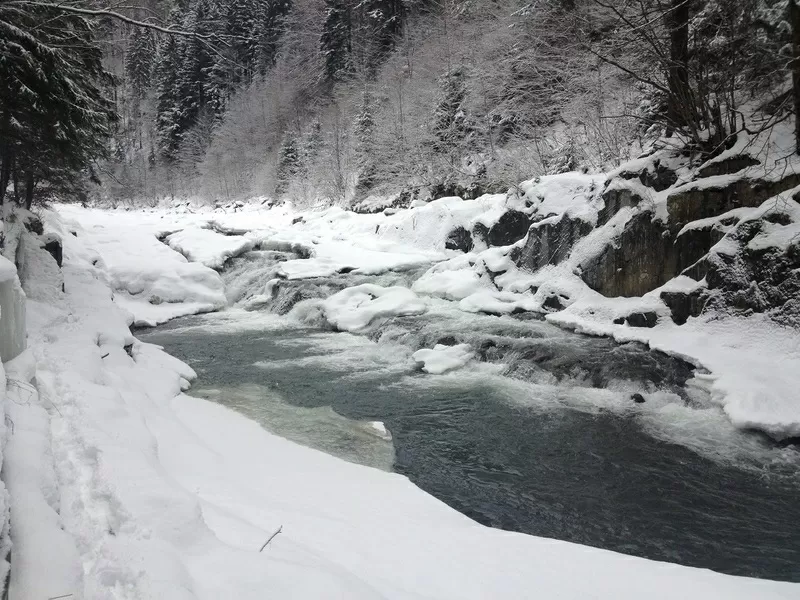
(541, 436)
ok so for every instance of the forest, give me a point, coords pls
(366, 103)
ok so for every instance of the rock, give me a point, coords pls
(746, 280)
(447, 340)
(690, 202)
(53, 246)
(550, 242)
(480, 232)
(638, 260)
(683, 305)
(33, 224)
(297, 220)
(459, 239)
(511, 227)
(728, 166)
(642, 319)
(638, 398)
(659, 178)
(614, 200)
(554, 303)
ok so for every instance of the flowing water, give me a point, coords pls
(540, 435)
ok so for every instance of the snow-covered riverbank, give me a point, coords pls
(122, 486)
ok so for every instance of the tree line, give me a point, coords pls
(338, 100)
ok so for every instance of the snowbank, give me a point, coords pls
(354, 308)
(149, 279)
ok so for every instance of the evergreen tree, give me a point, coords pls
(364, 131)
(289, 163)
(139, 59)
(167, 109)
(385, 23)
(270, 24)
(55, 116)
(450, 126)
(336, 41)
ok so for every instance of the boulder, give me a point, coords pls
(746, 279)
(683, 305)
(53, 245)
(511, 227)
(459, 239)
(550, 241)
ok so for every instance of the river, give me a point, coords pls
(540, 435)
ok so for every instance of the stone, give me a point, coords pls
(511, 227)
(731, 165)
(635, 263)
(53, 246)
(642, 319)
(554, 303)
(683, 305)
(550, 242)
(459, 239)
(695, 203)
(637, 398)
(762, 280)
(614, 200)
(659, 178)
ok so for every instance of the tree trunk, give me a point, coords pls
(5, 174)
(679, 103)
(794, 19)
(29, 183)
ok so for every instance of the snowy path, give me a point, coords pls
(161, 495)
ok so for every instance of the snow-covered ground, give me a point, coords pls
(123, 486)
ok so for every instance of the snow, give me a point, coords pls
(7, 269)
(441, 359)
(354, 308)
(208, 247)
(570, 193)
(149, 279)
(126, 487)
(46, 562)
(12, 312)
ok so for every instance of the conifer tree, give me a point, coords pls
(55, 115)
(336, 42)
(167, 110)
(450, 126)
(289, 163)
(364, 130)
(139, 59)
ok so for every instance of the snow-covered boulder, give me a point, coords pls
(207, 246)
(354, 308)
(441, 358)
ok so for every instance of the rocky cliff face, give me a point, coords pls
(725, 224)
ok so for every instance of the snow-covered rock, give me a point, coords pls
(441, 359)
(354, 308)
(208, 247)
